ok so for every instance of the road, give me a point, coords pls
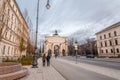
(72, 72)
(102, 63)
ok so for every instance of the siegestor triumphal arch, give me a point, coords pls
(57, 45)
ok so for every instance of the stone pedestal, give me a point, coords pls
(12, 71)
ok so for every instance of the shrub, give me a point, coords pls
(26, 60)
(7, 59)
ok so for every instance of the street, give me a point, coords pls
(72, 72)
(93, 61)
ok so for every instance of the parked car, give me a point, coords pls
(90, 56)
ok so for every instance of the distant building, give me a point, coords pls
(57, 45)
(13, 30)
(108, 41)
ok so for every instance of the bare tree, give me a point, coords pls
(21, 47)
(91, 46)
(71, 47)
(30, 48)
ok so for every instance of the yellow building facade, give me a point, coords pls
(108, 41)
(13, 28)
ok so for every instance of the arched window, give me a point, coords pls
(110, 43)
(109, 34)
(4, 49)
(106, 51)
(104, 36)
(101, 44)
(116, 41)
(100, 37)
(102, 51)
(105, 44)
(115, 33)
(111, 50)
(117, 50)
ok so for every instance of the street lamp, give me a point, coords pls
(48, 5)
(35, 56)
(76, 48)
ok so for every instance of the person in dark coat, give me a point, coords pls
(44, 59)
(48, 60)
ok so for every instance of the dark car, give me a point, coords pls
(90, 56)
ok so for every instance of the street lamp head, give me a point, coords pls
(76, 45)
(76, 42)
(48, 6)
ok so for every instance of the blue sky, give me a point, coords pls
(74, 18)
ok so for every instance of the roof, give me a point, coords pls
(110, 27)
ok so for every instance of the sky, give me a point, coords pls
(79, 19)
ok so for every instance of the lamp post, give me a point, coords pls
(76, 48)
(35, 56)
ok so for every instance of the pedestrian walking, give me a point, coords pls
(48, 60)
(43, 59)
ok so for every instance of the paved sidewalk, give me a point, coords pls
(42, 73)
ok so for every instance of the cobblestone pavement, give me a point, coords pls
(42, 73)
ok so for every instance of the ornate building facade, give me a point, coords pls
(13, 30)
(57, 45)
(108, 41)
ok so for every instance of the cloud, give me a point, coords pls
(79, 18)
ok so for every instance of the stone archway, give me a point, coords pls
(56, 43)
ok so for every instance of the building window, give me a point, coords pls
(4, 6)
(2, 17)
(101, 44)
(111, 50)
(10, 1)
(102, 51)
(117, 50)
(116, 42)
(100, 37)
(104, 36)
(105, 44)
(12, 50)
(16, 10)
(11, 25)
(6, 35)
(7, 22)
(115, 33)
(3, 49)
(10, 37)
(106, 51)
(8, 50)
(12, 17)
(110, 43)
(15, 21)
(109, 35)
(8, 11)
(13, 6)
(13, 38)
